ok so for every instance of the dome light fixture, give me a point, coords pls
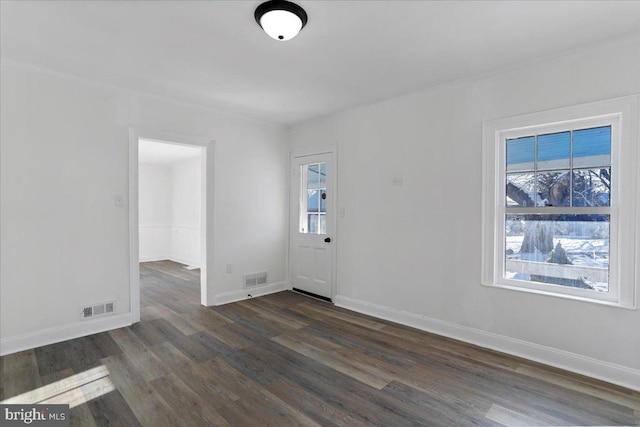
(281, 19)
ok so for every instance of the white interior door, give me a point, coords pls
(313, 224)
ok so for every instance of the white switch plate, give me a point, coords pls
(396, 182)
(118, 200)
(229, 268)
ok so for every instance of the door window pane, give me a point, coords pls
(313, 201)
(313, 205)
(313, 223)
(323, 224)
(312, 174)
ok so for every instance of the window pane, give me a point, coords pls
(323, 200)
(323, 174)
(592, 147)
(313, 175)
(313, 200)
(592, 187)
(313, 223)
(323, 224)
(554, 188)
(566, 250)
(520, 189)
(520, 153)
(554, 150)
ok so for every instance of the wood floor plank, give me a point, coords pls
(256, 400)
(234, 381)
(81, 416)
(451, 347)
(323, 412)
(189, 407)
(147, 363)
(440, 411)
(147, 405)
(190, 348)
(171, 357)
(332, 311)
(572, 382)
(229, 337)
(204, 319)
(205, 380)
(155, 311)
(360, 400)
(508, 417)
(110, 409)
(275, 316)
(20, 373)
(287, 359)
(52, 358)
(66, 382)
(337, 363)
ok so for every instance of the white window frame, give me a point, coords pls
(622, 115)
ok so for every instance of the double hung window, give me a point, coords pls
(559, 202)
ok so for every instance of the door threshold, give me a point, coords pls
(312, 295)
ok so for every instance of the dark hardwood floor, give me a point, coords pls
(286, 359)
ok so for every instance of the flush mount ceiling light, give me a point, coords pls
(281, 19)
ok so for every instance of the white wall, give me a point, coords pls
(169, 211)
(154, 215)
(64, 157)
(185, 211)
(415, 254)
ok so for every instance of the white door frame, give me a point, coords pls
(206, 212)
(293, 212)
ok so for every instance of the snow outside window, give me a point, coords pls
(556, 220)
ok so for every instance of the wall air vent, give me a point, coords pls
(98, 310)
(251, 280)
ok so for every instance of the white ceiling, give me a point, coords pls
(351, 53)
(160, 153)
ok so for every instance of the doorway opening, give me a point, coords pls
(169, 200)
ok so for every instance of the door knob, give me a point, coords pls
(327, 240)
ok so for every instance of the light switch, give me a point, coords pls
(396, 182)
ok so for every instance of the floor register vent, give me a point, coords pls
(252, 280)
(103, 309)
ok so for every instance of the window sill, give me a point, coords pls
(562, 296)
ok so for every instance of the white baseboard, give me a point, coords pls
(62, 333)
(606, 371)
(185, 261)
(153, 258)
(242, 294)
(170, 258)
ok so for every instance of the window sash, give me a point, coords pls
(502, 210)
(500, 260)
